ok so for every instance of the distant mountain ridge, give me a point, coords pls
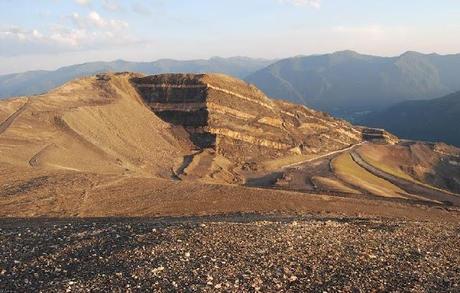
(40, 81)
(347, 82)
(431, 120)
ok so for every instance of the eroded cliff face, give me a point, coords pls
(377, 135)
(238, 120)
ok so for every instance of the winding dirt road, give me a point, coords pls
(324, 156)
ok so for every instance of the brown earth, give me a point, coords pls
(235, 253)
(129, 145)
(71, 194)
(434, 164)
(122, 182)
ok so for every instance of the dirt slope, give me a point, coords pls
(89, 125)
(427, 163)
(143, 153)
(129, 145)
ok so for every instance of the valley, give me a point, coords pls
(430, 120)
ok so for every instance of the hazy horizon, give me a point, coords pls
(212, 57)
(54, 33)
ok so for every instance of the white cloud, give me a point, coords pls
(83, 2)
(17, 41)
(95, 21)
(86, 32)
(111, 5)
(312, 3)
(16, 32)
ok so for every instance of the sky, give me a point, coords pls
(47, 34)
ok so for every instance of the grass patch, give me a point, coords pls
(386, 168)
(395, 171)
(347, 170)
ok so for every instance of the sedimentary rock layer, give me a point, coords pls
(224, 113)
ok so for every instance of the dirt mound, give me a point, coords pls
(96, 124)
(101, 124)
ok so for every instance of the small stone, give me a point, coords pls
(158, 269)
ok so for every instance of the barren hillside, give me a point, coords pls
(89, 125)
(128, 144)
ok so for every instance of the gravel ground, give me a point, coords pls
(235, 253)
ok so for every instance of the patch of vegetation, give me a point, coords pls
(385, 167)
(347, 170)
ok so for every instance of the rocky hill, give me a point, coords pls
(88, 125)
(239, 120)
(102, 124)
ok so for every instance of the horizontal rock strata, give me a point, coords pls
(238, 120)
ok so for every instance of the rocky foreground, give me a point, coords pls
(233, 253)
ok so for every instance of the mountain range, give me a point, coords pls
(364, 89)
(431, 120)
(346, 83)
(37, 82)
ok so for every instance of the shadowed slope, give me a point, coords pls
(346, 83)
(432, 120)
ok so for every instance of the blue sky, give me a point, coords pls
(45, 34)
